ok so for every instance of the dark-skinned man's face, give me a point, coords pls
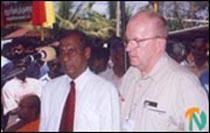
(72, 56)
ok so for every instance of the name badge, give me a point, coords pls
(150, 103)
(153, 106)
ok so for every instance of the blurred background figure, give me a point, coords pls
(118, 60)
(193, 56)
(55, 70)
(14, 89)
(200, 52)
(28, 112)
(99, 59)
(108, 59)
(177, 51)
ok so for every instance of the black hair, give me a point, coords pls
(100, 53)
(115, 43)
(84, 41)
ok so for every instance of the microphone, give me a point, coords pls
(44, 53)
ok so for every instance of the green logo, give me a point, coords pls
(196, 117)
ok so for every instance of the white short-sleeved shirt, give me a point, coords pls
(169, 98)
(15, 89)
(97, 103)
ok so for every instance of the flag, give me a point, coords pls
(38, 13)
(50, 14)
(43, 13)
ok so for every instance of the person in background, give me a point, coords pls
(118, 59)
(16, 88)
(98, 62)
(28, 112)
(55, 70)
(177, 51)
(198, 61)
(200, 50)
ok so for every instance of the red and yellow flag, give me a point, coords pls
(43, 13)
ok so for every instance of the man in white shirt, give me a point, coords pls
(98, 63)
(158, 94)
(12, 93)
(118, 59)
(16, 88)
(97, 102)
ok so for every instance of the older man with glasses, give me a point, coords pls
(158, 94)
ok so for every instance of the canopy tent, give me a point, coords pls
(189, 34)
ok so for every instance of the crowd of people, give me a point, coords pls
(193, 56)
(88, 87)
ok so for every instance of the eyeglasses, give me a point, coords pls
(139, 41)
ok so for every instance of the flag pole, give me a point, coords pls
(42, 33)
(155, 6)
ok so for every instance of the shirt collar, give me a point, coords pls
(81, 79)
(157, 69)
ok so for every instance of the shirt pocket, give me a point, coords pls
(157, 118)
(88, 120)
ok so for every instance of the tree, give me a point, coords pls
(64, 9)
(112, 9)
(185, 14)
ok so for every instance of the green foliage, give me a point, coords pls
(112, 9)
(174, 25)
(92, 23)
(64, 9)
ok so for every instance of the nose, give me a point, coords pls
(65, 58)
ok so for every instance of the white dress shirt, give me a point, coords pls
(15, 89)
(96, 108)
(164, 100)
(45, 79)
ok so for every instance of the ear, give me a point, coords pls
(87, 53)
(161, 45)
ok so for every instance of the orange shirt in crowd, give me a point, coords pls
(30, 127)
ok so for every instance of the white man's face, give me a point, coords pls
(140, 45)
